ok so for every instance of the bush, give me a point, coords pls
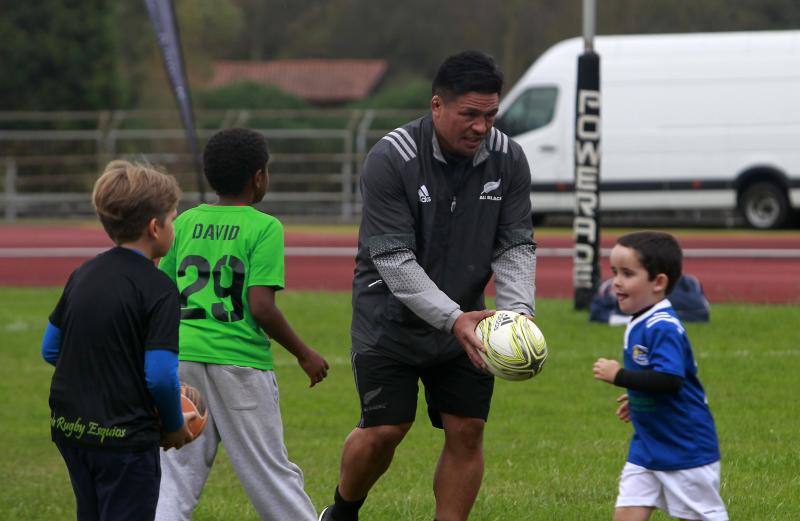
(404, 93)
(248, 95)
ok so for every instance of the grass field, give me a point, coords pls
(553, 446)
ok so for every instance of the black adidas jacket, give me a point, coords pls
(428, 243)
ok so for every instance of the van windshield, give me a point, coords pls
(532, 109)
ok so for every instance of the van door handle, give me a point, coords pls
(547, 149)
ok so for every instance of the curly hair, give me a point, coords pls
(231, 157)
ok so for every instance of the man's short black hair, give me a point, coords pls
(467, 71)
(231, 157)
(659, 252)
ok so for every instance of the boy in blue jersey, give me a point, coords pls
(113, 339)
(674, 461)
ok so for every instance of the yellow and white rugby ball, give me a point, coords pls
(515, 348)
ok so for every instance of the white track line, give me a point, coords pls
(346, 251)
(700, 253)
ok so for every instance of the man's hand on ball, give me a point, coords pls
(464, 331)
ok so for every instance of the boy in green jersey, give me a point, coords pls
(227, 260)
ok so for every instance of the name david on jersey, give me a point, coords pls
(224, 232)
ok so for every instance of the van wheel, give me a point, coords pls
(764, 206)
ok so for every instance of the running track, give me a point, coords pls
(740, 268)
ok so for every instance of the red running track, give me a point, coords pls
(724, 278)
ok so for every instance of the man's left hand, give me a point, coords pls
(464, 331)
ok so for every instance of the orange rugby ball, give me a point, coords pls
(192, 401)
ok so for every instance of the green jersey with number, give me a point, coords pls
(219, 252)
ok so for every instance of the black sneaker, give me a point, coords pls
(325, 515)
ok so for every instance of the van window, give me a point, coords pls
(532, 109)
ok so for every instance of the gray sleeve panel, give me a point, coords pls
(409, 283)
(507, 239)
(515, 278)
(382, 244)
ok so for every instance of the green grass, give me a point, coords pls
(553, 446)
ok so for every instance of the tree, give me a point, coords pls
(248, 95)
(59, 55)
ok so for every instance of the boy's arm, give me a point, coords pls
(161, 364)
(51, 341)
(261, 301)
(647, 380)
(161, 376)
(51, 344)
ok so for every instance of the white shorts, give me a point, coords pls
(686, 494)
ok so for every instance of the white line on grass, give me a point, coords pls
(740, 353)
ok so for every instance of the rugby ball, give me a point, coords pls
(192, 401)
(514, 347)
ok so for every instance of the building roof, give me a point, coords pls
(318, 81)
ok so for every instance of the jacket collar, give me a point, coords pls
(481, 155)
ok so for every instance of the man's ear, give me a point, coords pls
(436, 104)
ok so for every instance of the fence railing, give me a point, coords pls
(51, 159)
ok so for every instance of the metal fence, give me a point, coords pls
(51, 159)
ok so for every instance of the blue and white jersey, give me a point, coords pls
(672, 431)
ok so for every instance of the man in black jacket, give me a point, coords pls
(446, 205)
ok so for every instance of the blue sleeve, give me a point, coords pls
(51, 344)
(161, 375)
(667, 339)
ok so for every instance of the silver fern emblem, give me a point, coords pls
(491, 186)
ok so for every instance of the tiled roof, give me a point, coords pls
(318, 81)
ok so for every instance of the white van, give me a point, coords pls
(707, 121)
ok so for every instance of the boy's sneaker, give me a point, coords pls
(325, 515)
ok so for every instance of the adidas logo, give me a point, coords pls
(501, 320)
(424, 196)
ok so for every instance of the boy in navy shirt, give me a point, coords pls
(674, 461)
(113, 339)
